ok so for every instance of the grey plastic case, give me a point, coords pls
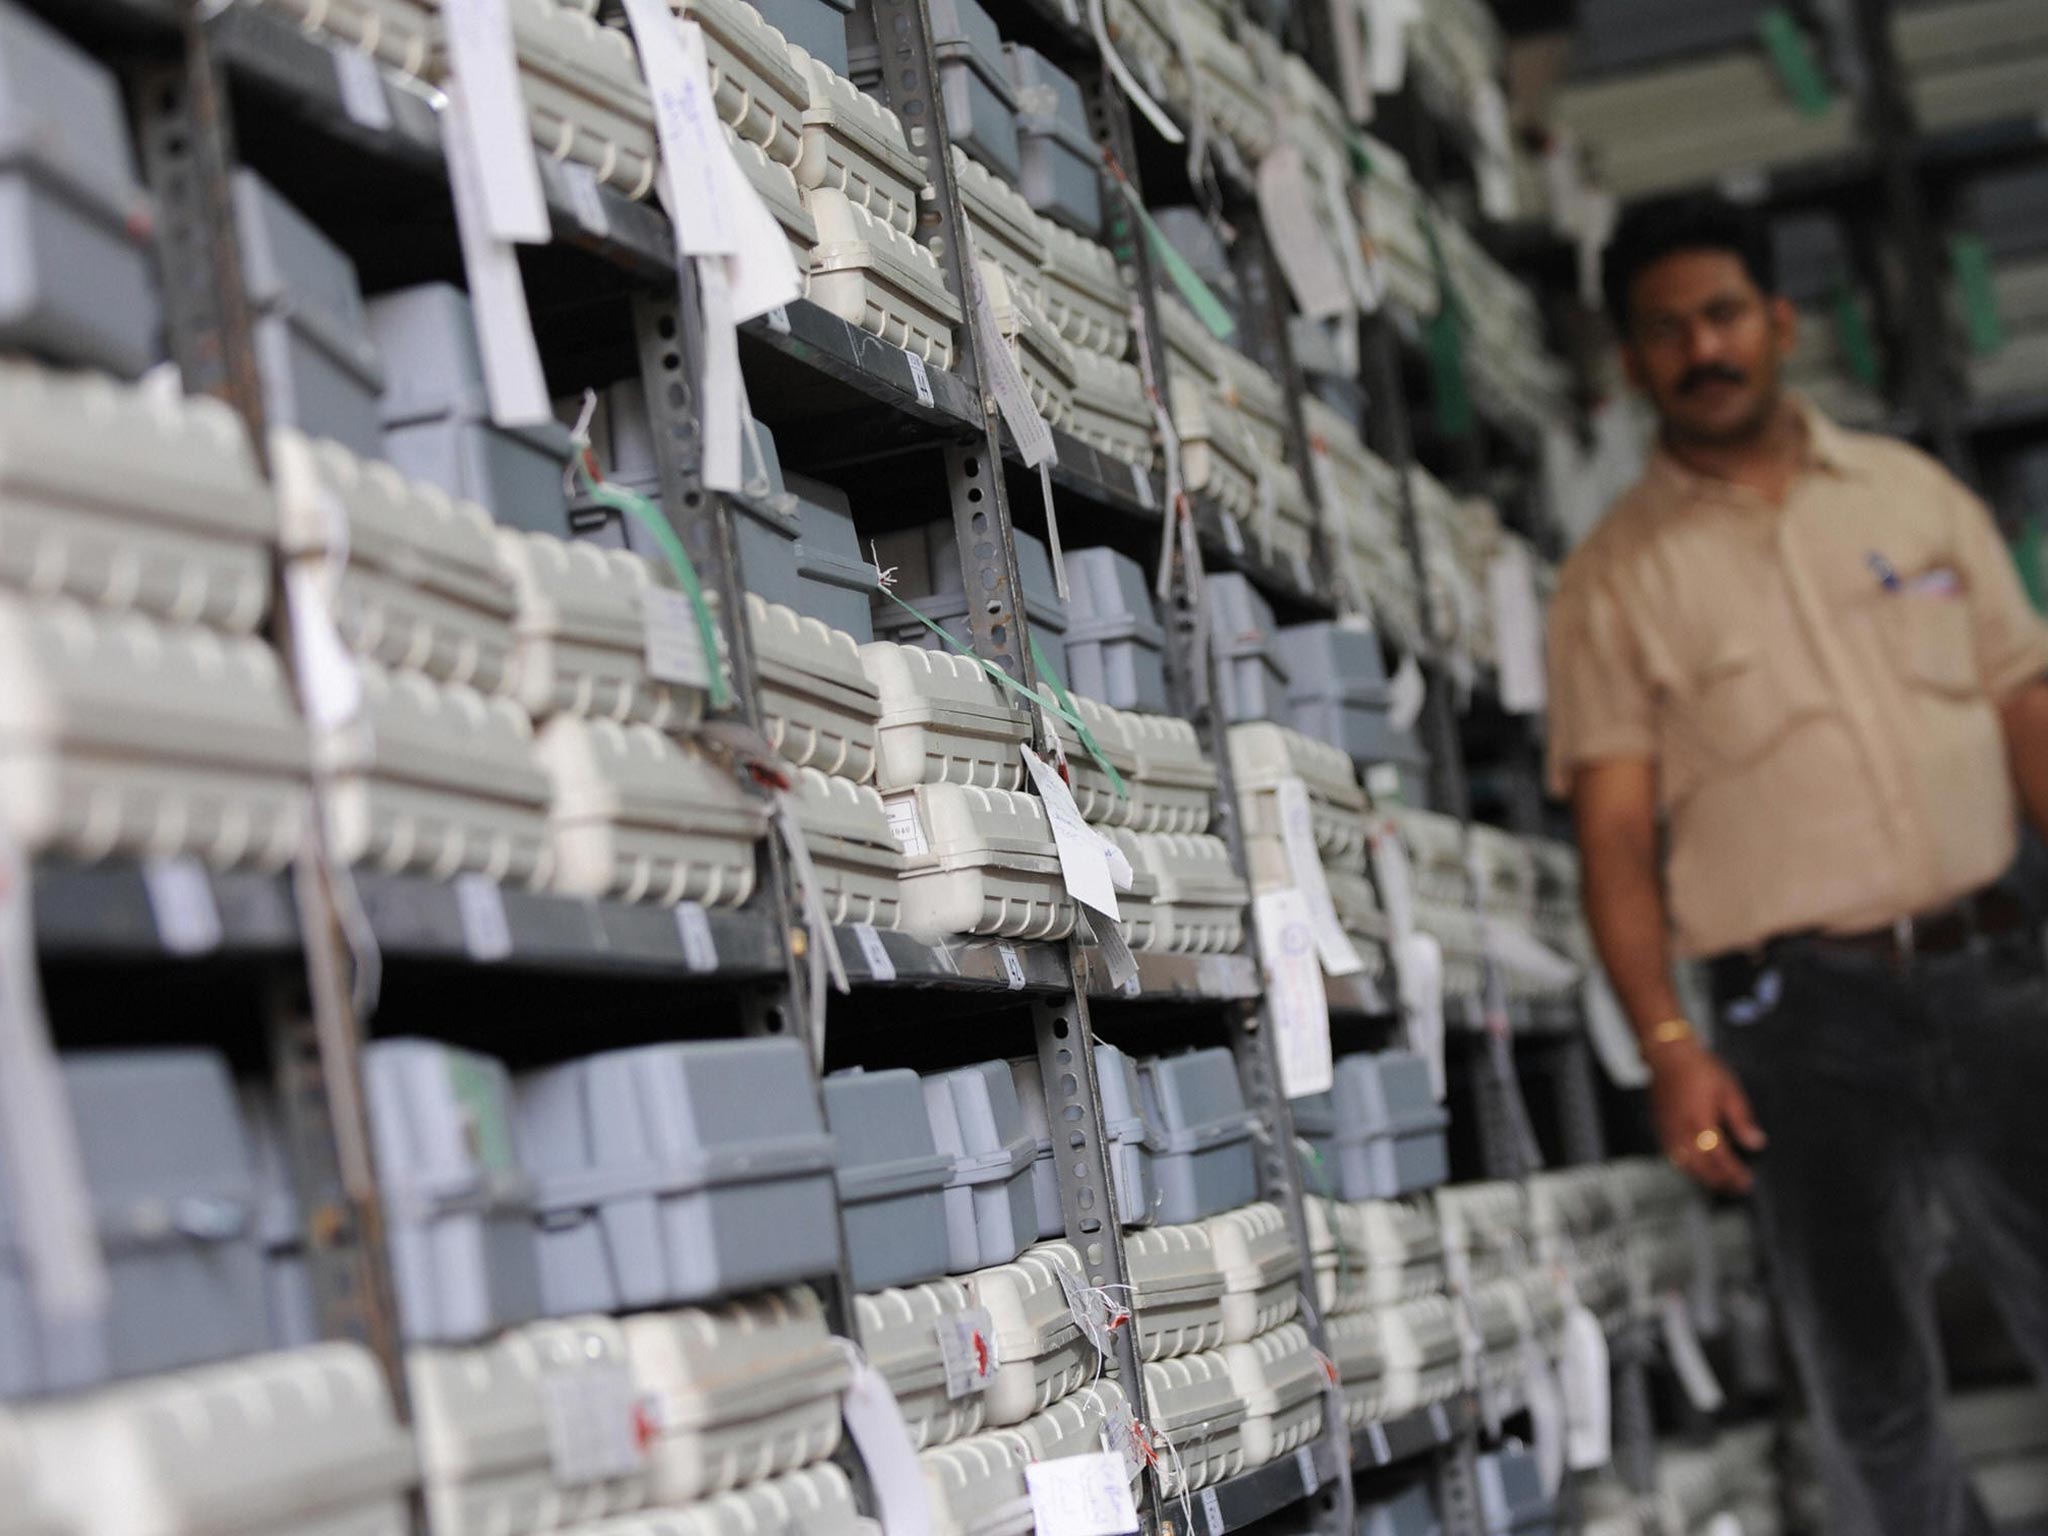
(1206, 1161)
(173, 1204)
(991, 1214)
(1337, 692)
(1383, 1134)
(892, 1178)
(280, 1226)
(1409, 1513)
(981, 108)
(677, 1172)
(1511, 1497)
(816, 26)
(835, 582)
(1251, 679)
(1059, 167)
(459, 1204)
(1131, 1144)
(76, 281)
(1114, 640)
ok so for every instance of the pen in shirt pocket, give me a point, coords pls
(1935, 581)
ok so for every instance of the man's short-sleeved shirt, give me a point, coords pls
(1817, 683)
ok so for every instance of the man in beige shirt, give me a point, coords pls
(1798, 703)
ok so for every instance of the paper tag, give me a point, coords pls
(1013, 968)
(329, 681)
(1376, 1437)
(1141, 487)
(919, 379)
(361, 84)
(1305, 1462)
(1117, 956)
(1233, 535)
(967, 1351)
(1688, 1359)
(1296, 234)
(1587, 1389)
(874, 952)
(1003, 379)
(1090, 1310)
(592, 1413)
(1305, 865)
(1212, 1512)
(1085, 1495)
(483, 63)
(513, 380)
(1393, 877)
(1726, 1523)
(673, 60)
(1607, 1026)
(480, 904)
(904, 822)
(1419, 977)
(1546, 1415)
(1439, 1421)
(1120, 1439)
(1516, 949)
(181, 902)
(778, 319)
(1518, 629)
(1084, 857)
(674, 642)
(586, 202)
(875, 1424)
(1386, 28)
(722, 423)
(1404, 694)
(1299, 1008)
(693, 927)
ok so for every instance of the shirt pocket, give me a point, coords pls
(1928, 637)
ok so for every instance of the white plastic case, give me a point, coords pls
(1198, 1416)
(1201, 901)
(976, 1486)
(1498, 1311)
(1486, 1224)
(1230, 88)
(1359, 1353)
(1261, 1270)
(1085, 296)
(855, 144)
(942, 720)
(1420, 1338)
(758, 87)
(1176, 1289)
(979, 861)
(482, 1415)
(415, 578)
(1280, 1376)
(398, 34)
(299, 1443)
(1134, 907)
(582, 634)
(131, 496)
(898, 1332)
(1095, 796)
(1375, 1253)
(1215, 446)
(872, 275)
(122, 735)
(1174, 788)
(1042, 354)
(1041, 1353)
(1002, 226)
(818, 705)
(1262, 753)
(814, 1501)
(639, 816)
(1111, 413)
(852, 848)
(586, 98)
(435, 779)
(742, 1390)
(785, 199)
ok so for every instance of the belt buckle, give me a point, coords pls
(1903, 945)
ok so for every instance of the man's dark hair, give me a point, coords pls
(1703, 221)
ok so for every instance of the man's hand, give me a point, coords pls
(1703, 1115)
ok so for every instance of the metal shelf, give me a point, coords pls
(109, 912)
(1257, 1495)
(1420, 1433)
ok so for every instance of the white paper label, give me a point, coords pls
(1090, 1309)
(919, 379)
(484, 64)
(1404, 694)
(874, 952)
(586, 202)
(778, 319)
(362, 90)
(909, 830)
(1607, 1026)
(1120, 1439)
(1212, 1512)
(967, 1351)
(1305, 865)
(1305, 1462)
(1516, 949)
(1013, 968)
(480, 904)
(1116, 955)
(672, 57)
(1546, 1415)
(1084, 852)
(1726, 1523)
(1376, 1436)
(1294, 992)
(693, 928)
(1086, 1495)
(593, 1424)
(1419, 973)
(181, 901)
(1005, 381)
(1688, 1359)
(1296, 233)
(513, 380)
(1439, 1421)
(875, 1424)
(674, 642)
(1394, 878)
(1141, 486)
(1386, 27)
(1233, 535)
(723, 420)
(1518, 628)
(1586, 1387)
(329, 681)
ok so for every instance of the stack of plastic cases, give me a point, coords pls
(269, 1444)
(979, 861)
(399, 34)
(1280, 1376)
(1115, 645)
(170, 1189)
(1286, 532)
(855, 145)
(977, 1121)
(819, 706)
(1200, 903)
(758, 84)
(72, 236)
(1002, 226)
(1059, 167)
(1261, 1270)
(1511, 1497)
(1130, 1144)
(929, 579)
(981, 108)
(1230, 90)
(1251, 678)
(1261, 755)
(816, 26)
(1043, 357)
(1134, 907)
(1041, 1354)
(1085, 295)
(1337, 693)
(941, 720)
(1096, 795)
(1485, 1227)
(873, 276)
(586, 98)
(1111, 413)
(1369, 554)
(1176, 1289)
(816, 1500)
(975, 1487)
(899, 1330)
(483, 1415)
(1216, 451)
(855, 857)
(1423, 1352)
(677, 1172)
(1409, 1513)
(1206, 1163)
(1497, 1314)
(1174, 788)
(459, 1203)
(1435, 845)
(1200, 1413)
(1074, 1425)
(748, 1389)
(1368, 1253)
(437, 423)
(835, 582)
(1380, 1132)
(891, 1177)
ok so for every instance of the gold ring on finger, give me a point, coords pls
(1707, 1140)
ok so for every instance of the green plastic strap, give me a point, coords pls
(2027, 553)
(1093, 747)
(1971, 263)
(1791, 53)
(1451, 394)
(1200, 297)
(644, 512)
(1852, 332)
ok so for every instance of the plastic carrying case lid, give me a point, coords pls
(978, 1123)
(1194, 1101)
(881, 1135)
(1109, 597)
(1385, 1093)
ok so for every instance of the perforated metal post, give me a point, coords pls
(1456, 1476)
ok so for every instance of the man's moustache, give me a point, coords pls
(1713, 374)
